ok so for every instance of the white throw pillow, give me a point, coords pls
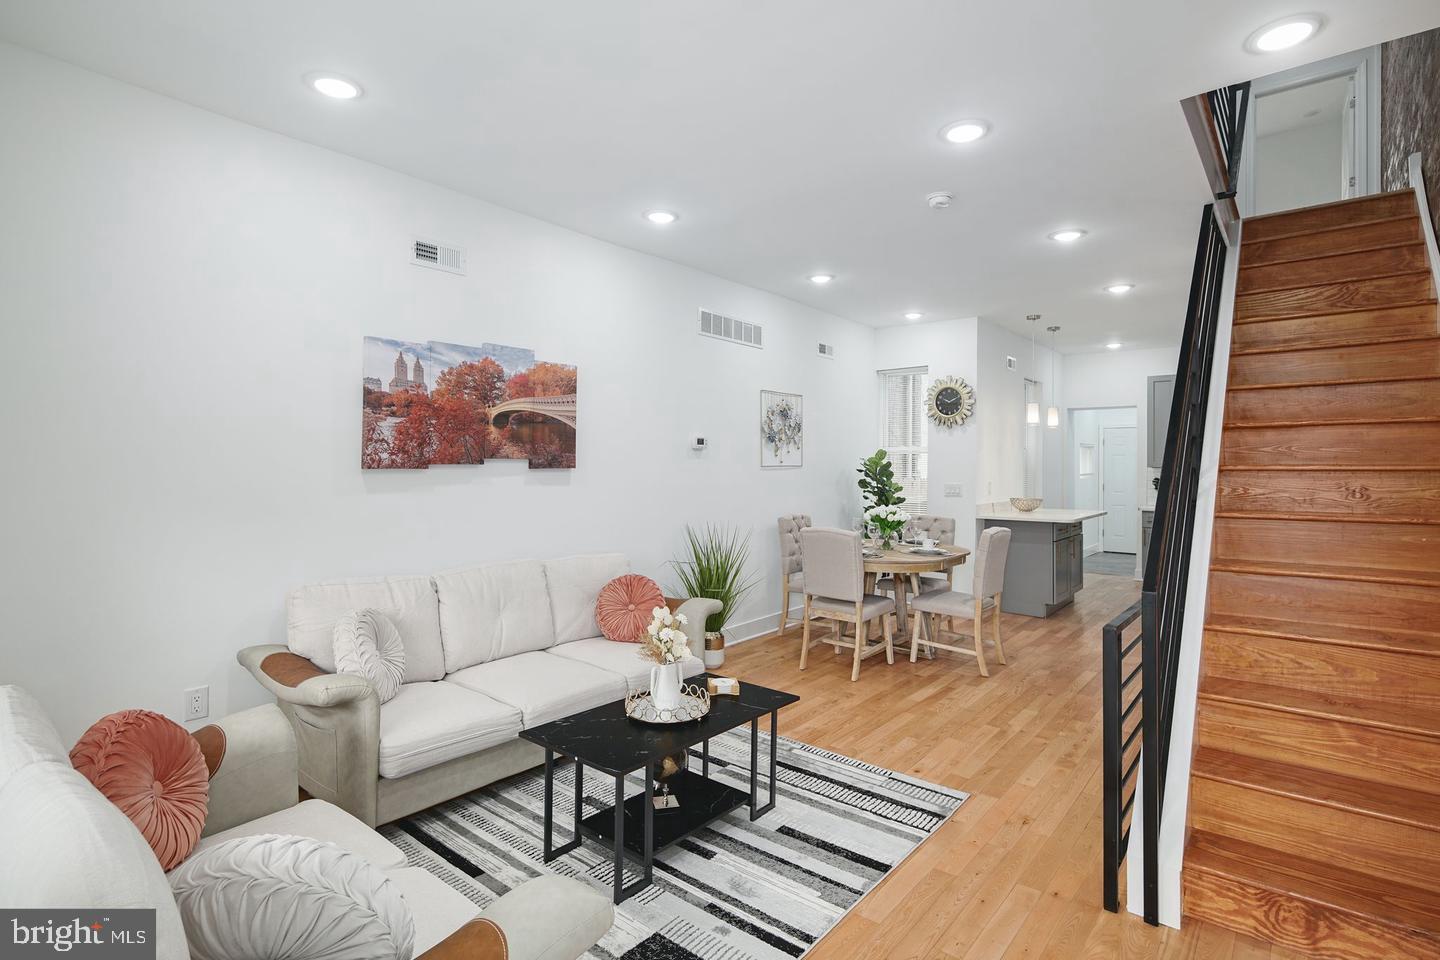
(272, 897)
(367, 643)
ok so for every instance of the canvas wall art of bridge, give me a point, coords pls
(433, 403)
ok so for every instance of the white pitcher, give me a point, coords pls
(665, 686)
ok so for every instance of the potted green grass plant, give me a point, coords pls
(714, 566)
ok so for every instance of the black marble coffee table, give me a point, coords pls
(607, 740)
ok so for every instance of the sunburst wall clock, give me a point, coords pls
(951, 401)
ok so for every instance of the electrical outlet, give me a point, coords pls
(197, 703)
(954, 490)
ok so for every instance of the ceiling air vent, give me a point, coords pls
(728, 328)
(827, 350)
(438, 256)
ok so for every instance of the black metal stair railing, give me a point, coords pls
(1139, 697)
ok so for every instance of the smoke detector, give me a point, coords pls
(940, 199)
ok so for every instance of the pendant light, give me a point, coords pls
(1032, 407)
(1052, 415)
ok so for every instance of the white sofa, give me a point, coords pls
(490, 650)
(66, 845)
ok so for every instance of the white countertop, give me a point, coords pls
(1003, 511)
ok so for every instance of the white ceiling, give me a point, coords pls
(1312, 104)
(792, 137)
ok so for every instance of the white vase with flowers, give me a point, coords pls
(666, 643)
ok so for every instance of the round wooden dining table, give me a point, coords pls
(905, 566)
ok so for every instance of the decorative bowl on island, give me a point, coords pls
(1025, 504)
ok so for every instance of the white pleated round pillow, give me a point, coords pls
(272, 897)
(367, 643)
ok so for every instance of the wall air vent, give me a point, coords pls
(438, 256)
(1011, 363)
(728, 328)
(827, 350)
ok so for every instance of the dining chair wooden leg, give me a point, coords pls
(980, 643)
(784, 602)
(999, 646)
(889, 619)
(805, 634)
(861, 631)
(915, 637)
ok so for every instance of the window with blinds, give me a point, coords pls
(904, 433)
(1034, 442)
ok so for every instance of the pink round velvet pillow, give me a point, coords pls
(623, 609)
(153, 770)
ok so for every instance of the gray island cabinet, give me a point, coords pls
(1046, 565)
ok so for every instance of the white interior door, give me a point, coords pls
(1122, 517)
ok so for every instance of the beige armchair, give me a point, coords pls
(792, 564)
(835, 590)
(936, 605)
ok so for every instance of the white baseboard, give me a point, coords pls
(759, 627)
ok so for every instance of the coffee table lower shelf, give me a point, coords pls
(702, 800)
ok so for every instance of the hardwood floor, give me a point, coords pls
(1016, 873)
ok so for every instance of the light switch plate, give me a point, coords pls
(954, 490)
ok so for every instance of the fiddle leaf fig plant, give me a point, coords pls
(877, 481)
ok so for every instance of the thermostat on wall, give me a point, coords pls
(698, 444)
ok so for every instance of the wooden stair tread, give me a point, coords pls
(1355, 210)
(1355, 328)
(1337, 238)
(1316, 881)
(1331, 268)
(1371, 798)
(1338, 403)
(1425, 643)
(1387, 716)
(1327, 571)
(1391, 290)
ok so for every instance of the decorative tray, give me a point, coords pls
(694, 704)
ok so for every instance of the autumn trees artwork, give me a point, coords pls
(445, 403)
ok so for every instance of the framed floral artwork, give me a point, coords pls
(782, 429)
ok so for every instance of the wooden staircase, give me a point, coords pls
(1315, 790)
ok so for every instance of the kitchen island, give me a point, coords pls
(1046, 564)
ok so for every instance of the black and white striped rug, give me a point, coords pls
(735, 890)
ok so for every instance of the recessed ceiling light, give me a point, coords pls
(913, 315)
(332, 86)
(1120, 289)
(821, 278)
(1067, 236)
(661, 217)
(965, 131)
(1114, 345)
(1283, 34)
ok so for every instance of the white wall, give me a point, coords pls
(184, 299)
(1002, 426)
(947, 348)
(1297, 168)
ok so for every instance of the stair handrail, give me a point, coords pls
(1217, 124)
(1161, 609)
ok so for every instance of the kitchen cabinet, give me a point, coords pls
(1045, 567)
(1160, 393)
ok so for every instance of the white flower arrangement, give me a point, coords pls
(887, 515)
(665, 639)
(889, 520)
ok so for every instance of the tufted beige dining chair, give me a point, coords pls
(792, 566)
(936, 605)
(835, 590)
